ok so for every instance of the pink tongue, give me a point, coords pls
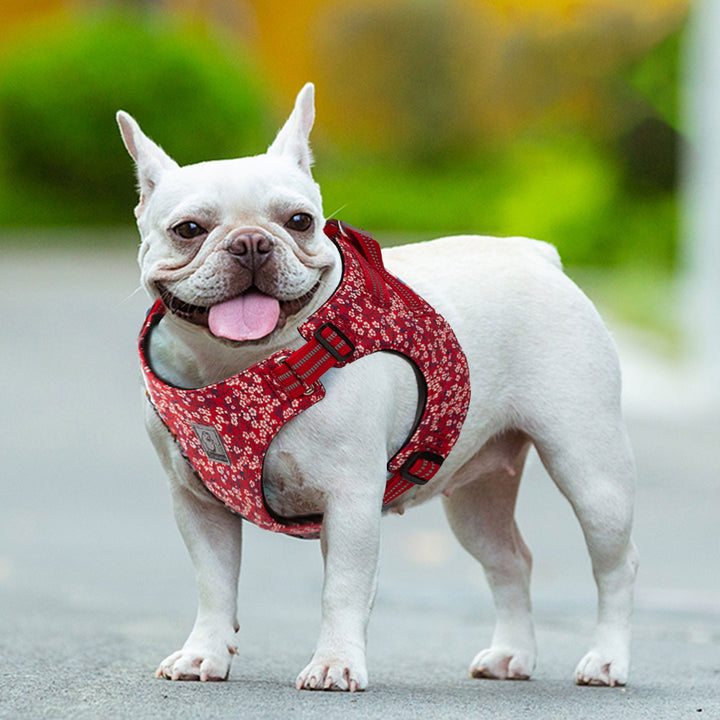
(248, 317)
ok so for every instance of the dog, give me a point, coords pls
(235, 252)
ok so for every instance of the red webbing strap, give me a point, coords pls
(411, 299)
(395, 487)
(303, 368)
(418, 469)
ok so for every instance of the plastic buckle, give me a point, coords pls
(420, 467)
(337, 354)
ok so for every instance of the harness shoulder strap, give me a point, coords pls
(370, 249)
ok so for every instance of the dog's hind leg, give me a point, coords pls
(481, 514)
(593, 466)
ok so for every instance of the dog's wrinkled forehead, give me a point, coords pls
(243, 191)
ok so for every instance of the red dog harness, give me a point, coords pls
(225, 429)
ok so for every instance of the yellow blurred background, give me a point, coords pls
(344, 46)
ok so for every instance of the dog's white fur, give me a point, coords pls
(544, 371)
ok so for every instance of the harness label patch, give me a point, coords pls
(212, 444)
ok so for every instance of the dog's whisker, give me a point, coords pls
(333, 215)
(131, 295)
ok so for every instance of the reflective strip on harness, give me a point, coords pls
(303, 368)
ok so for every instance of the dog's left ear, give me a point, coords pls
(293, 140)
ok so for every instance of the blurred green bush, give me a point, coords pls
(564, 189)
(442, 126)
(470, 125)
(61, 157)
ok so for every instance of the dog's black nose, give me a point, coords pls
(251, 249)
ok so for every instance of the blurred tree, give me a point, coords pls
(656, 77)
(61, 86)
(435, 78)
(407, 75)
(502, 116)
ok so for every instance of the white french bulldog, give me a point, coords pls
(237, 252)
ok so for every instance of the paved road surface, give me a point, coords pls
(96, 587)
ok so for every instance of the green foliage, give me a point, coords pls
(437, 89)
(469, 127)
(562, 189)
(61, 155)
(558, 190)
(656, 77)
(394, 197)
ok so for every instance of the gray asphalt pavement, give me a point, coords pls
(96, 587)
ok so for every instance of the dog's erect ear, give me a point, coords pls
(293, 140)
(151, 161)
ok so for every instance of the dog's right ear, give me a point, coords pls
(150, 159)
(293, 139)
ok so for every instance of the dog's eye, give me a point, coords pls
(301, 222)
(189, 230)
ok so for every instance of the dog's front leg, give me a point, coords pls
(350, 542)
(213, 537)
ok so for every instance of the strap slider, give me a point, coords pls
(420, 467)
(334, 341)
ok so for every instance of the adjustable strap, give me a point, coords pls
(299, 372)
(302, 369)
(418, 469)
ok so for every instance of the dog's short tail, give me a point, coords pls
(549, 252)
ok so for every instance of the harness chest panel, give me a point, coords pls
(224, 429)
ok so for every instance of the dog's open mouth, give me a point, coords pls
(249, 316)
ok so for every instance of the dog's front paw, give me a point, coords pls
(503, 664)
(210, 662)
(598, 668)
(332, 672)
